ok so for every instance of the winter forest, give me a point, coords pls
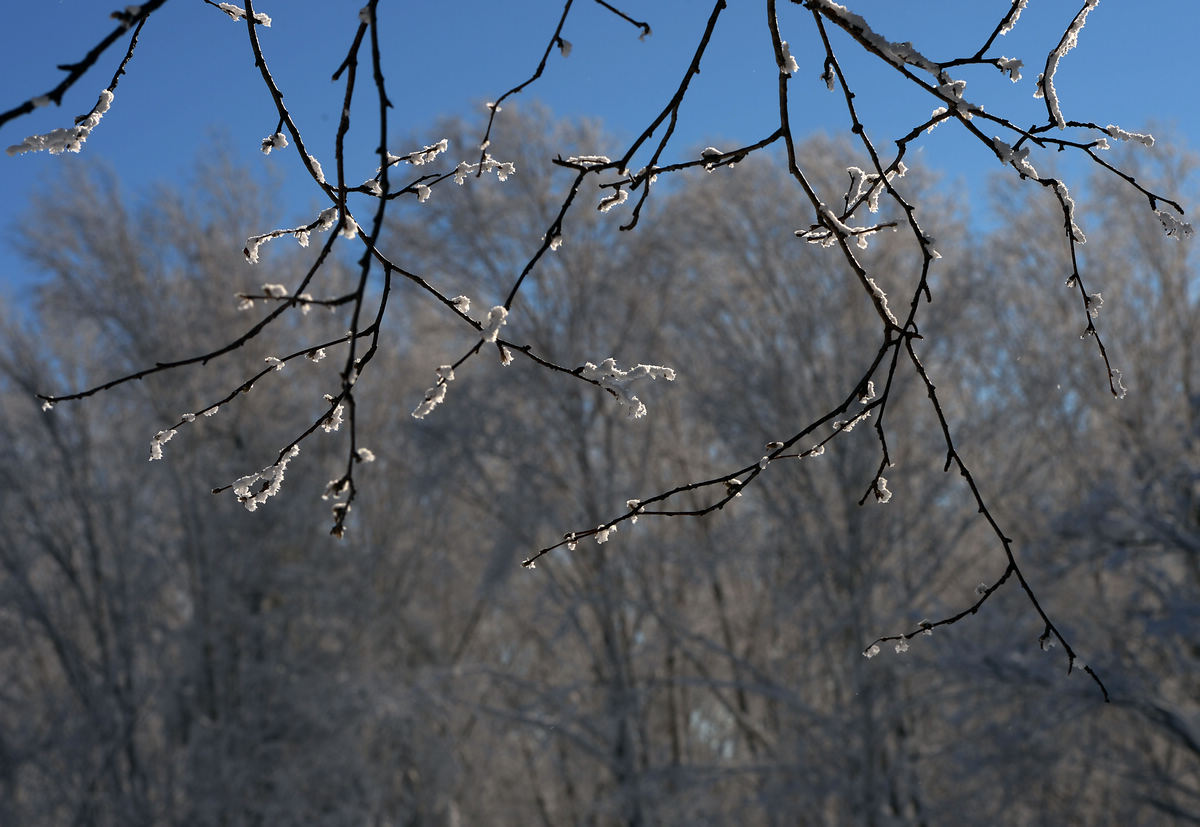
(519, 467)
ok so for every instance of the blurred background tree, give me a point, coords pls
(169, 659)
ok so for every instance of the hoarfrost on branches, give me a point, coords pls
(1014, 16)
(317, 172)
(1011, 66)
(325, 221)
(616, 381)
(160, 439)
(422, 156)
(255, 489)
(1174, 226)
(1068, 204)
(610, 201)
(588, 160)
(881, 490)
(66, 139)
(333, 420)
(437, 394)
(238, 13)
(1120, 134)
(496, 317)
(276, 141)
(503, 169)
(1046, 80)
(789, 66)
(1117, 383)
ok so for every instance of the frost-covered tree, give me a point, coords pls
(855, 212)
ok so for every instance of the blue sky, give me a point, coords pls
(192, 90)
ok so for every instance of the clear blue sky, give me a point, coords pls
(192, 77)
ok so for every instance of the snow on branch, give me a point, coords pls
(255, 489)
(616, 381)
(238, 13)
(1045, 81)
(323, 223)
(66, 139)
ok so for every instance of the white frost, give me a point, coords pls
(156, 444)
(1120, 134)
(1016, 15)
(610, 201)
(789, 66)
(1174, 226)
(497, 316)
(334, 420)
(238, 13)
(436, 395)
(898, 54)
(318, 173)
(588, 160)
(69, 139)
(1046, 80)
(1011, 66)
(266, 483)
(276, 141)
(616, 381)
(1064, 195)
(503, 169)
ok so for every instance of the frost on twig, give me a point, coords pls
(255, 489)
(238, 13)
(1120, 134)
(68, 139)
(437, 394)
(160, 439)
(325, 221)
(616, 381)
(1045, 82)
(833, 228)
(1174, 226)
(868, 186)
(419, 157)
(276, 141)
(503, 169)
(1010, 66)
(497, 316)
(898, 54)
(788, 66)
(333, 420)
(1068, 205)
(610, 201)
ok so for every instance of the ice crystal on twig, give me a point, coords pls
(255, 489)
(616, 381)
(68, 139)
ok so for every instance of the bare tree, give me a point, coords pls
(840, 209)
